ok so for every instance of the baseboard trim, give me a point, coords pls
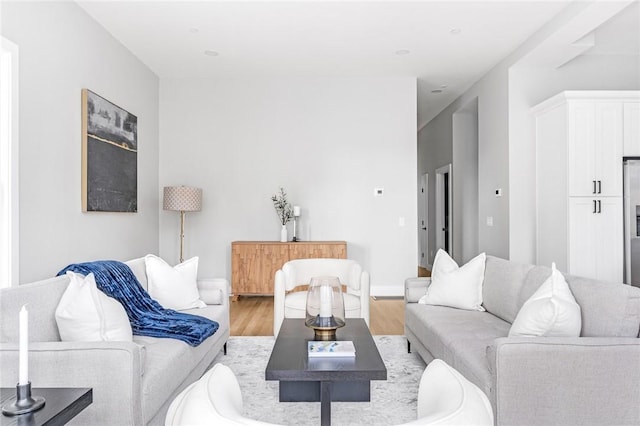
(387, 297)
(387, 291)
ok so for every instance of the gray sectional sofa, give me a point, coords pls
(593, 379)
(133, 382)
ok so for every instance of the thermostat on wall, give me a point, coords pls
(378, 192)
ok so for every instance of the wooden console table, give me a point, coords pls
(254, 263)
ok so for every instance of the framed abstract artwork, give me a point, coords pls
(109, 156)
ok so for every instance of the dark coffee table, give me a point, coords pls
(324, 379)
(61, 405)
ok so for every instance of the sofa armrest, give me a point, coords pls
(112, 369)
(214, 291)
(365, 296)
(415, 288)
(581, 380)
(279, 293)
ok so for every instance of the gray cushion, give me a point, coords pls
(503, 281)
(608, 309)
(459, 337)
(536, 276)
(165, 368)
(169, 361)
(42, 298)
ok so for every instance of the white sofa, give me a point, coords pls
(133, 382)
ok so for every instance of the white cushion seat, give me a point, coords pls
(300, 272)
(295, 305)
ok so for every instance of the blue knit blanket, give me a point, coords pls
(147, 316)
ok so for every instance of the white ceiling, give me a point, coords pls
(344, 38)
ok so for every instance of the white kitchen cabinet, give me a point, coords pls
(594, 136)
(598, 252)
(580, 144)
(631, 129)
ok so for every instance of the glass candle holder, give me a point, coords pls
(325, 307)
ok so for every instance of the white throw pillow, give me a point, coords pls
(86, 314)
(551, 311)
(456, 286)
(173, 287)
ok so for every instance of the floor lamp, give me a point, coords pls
(183, 199)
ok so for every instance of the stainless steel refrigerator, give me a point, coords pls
(632, 221)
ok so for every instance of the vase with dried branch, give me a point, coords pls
(283, 210)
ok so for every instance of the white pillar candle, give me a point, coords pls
(23, 367)
(326, 294)
(296, 211)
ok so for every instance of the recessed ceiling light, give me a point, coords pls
(194, 30)
(211, 53)
(455, 31)
(401, 52)
(436, 91)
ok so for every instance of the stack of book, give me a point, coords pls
(331, 348)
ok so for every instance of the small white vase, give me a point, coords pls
(283, 234)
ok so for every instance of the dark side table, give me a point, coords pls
(61, 405)
(324, 379)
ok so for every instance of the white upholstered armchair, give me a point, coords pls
(447, 398)
(214, 399)
(287, 304)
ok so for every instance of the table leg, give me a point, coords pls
(325, 403)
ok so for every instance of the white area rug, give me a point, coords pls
(393, 401)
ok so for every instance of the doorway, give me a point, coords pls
(423, 228)
(444, 199)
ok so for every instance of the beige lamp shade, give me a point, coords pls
(182, 198)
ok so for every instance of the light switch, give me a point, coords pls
(401, 221)
(489, 220)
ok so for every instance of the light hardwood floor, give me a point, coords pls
(423, 272)
(253, 316)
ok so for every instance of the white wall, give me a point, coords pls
(505, 131)
(434, 151)
(527, 88)
(328, 141)
(63, 50)
(465, 182)
(612, 63)
(436, 148)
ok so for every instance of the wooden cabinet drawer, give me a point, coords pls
(254, 263)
